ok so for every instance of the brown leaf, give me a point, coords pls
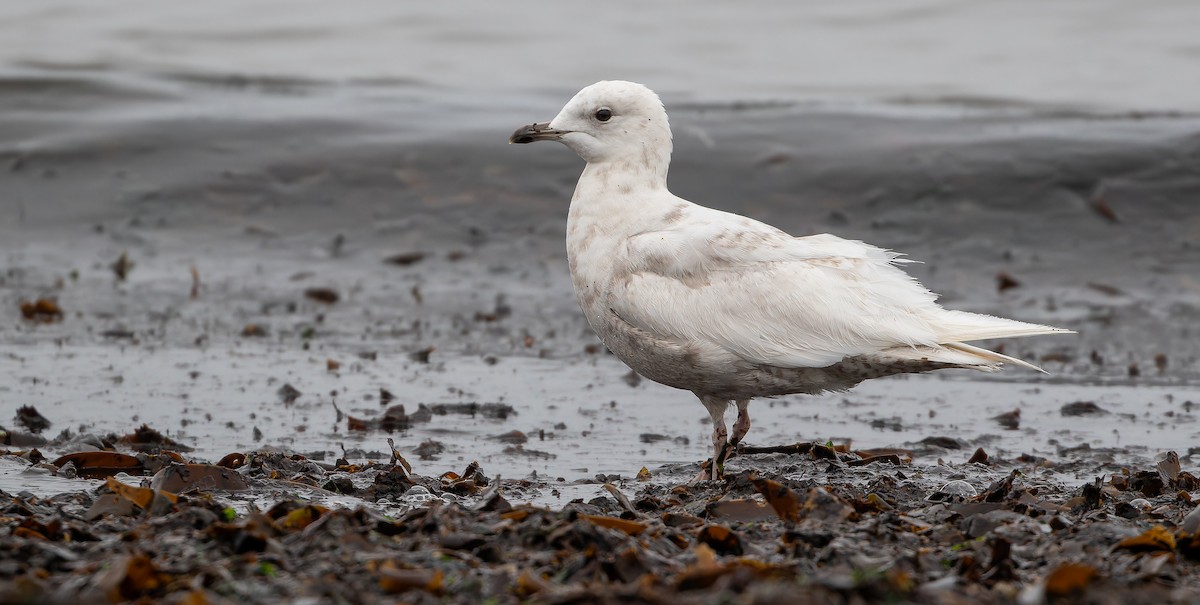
(146, 439)
(1189, 545)
(620, 497)
(823, 452)
(43, 310)
(254, 331)
(904, 455)
(142, 497)
(1105, 289)
(781, 498)
(999, 490)
(632, 528)
(1069, 578)
(122, 266)
(327, 296)
(397, 457)
(234, 460)
(704, 572)
(1103, 209)
(888, 458)
(1009, 420)
(1004, 281)
(743, 511)
(101, 464)
(1169, 467)
(358, 424)
(30, 418)
(517, 514)
(1155, 539)
(721, 539)
(131, 577)
(405, 259)
(395, 580)
(110, 504)
(25, 532)
(195, 290)
(179, 478)
(529, 584)
(979, 457)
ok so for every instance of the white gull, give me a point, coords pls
(725, 306)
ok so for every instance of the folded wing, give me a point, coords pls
(786, 301)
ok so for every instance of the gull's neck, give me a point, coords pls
(636, 176)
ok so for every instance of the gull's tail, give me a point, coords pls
(960, 326)
(955, 328)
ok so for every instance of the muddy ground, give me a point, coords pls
(276, 268)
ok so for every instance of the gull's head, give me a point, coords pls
(607, 121)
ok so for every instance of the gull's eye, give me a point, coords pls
(604, 114)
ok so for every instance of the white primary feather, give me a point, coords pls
(785, 301)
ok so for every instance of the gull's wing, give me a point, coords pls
(786, 301)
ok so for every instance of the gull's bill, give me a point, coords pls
(535, 132)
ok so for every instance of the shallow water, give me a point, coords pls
(1106, 53)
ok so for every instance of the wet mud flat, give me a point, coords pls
(296, 272)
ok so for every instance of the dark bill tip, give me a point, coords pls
(535, 132)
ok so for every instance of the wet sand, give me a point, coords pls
(434, 234)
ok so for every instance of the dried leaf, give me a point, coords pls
(25, 532)
(122, 266)
(1069, 578)
(632, 528)
(131, 577)
(234, 460)
(146, 439)
(395, 580)
(1004, 281)
(517, 514)
(704, 572)
(721, 539)
(1170, 468)
(101, 464)
(888, 458)
(254, 331)
(405, 259)
(621, 499)
(1155, 539)
(179, 478)
(327, 296)
(397, 458)
(43, 310)
(1101, 207)
(30, 418)
(529, 584)
(143, 498)
(979, 457)
(781, 498)
(644, 474)
(743, 511)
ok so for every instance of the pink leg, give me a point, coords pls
(716, 409)
(742, 426)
